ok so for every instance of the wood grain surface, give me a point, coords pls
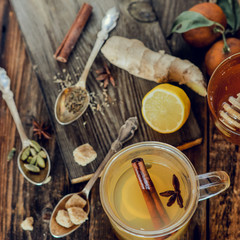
(217, 218)
(44, 24)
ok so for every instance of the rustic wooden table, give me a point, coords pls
(217, 218)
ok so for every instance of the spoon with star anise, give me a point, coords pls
(174, 194)
(33, 160)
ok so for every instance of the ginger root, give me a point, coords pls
(132, 56)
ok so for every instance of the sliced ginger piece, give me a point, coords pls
(63, 219)
(27, 224)
(84, 154)
(75, 201)
(77, 215)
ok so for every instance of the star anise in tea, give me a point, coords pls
(40, 130)
(174, 194)
(105, 75)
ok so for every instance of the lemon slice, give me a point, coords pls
(166, 108)
(130, 192)
(132, 208)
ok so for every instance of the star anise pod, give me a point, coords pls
(40, 130)
(105, 75)
(174, 194)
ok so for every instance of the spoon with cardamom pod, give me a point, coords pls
(57, 229)
(73, 101)
(33, 160)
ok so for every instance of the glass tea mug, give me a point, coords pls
(119, 170)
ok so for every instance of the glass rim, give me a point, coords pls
(164, 231)
(225, 127)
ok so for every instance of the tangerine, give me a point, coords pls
(204, 36)
(215, 55)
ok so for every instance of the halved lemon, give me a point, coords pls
(166, 108)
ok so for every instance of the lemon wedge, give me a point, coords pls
(166, 108)
(131, 192)
(133, 209)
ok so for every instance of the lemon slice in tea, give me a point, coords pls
(130, 192)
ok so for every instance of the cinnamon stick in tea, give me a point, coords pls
(155, 207)
(68, 43)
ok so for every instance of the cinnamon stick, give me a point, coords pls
(69, 41)
(155, 207)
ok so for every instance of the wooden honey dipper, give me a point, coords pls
(230, 115)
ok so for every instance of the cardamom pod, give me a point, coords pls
(29, 159)
(32, 168)
(33, 151)
(33, 160)
(42, 154)
(40, 162)
(35, 145)
(25, 153)
(11, 154)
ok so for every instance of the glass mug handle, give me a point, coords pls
(213, 183)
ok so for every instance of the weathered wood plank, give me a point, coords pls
(44, 24)
(21, 198)
(100, 227)
(18, 198)
(224, 219)
(198, 155)
(222, 211)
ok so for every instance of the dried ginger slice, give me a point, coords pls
(27, 224)
(75, 201)
(84, 154)
(77, 215)
(63, 219)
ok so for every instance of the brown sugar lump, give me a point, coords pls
(27, 224)
(84, 154)
(75, 201)
(63, 219)
(77, 215)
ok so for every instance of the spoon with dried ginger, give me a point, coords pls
(37, 175)
(126, 132)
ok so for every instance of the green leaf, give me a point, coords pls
(236, 9)
(227, 8)
(237, 14)
(188, 20)
(231, 9)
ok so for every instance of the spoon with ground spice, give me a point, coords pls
(73, 101)
(33, 160)
(126, 132)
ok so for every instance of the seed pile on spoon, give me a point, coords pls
(75, 99)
